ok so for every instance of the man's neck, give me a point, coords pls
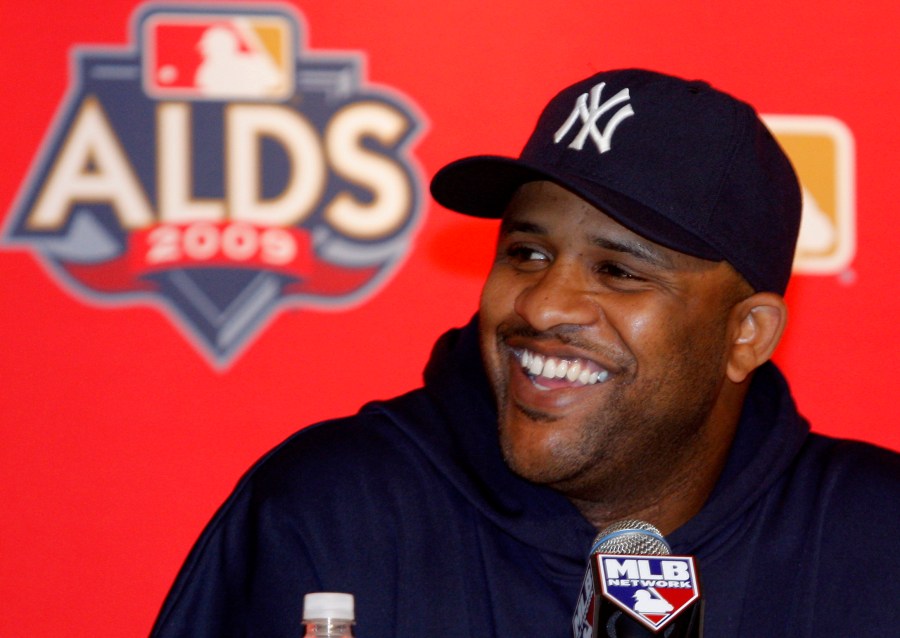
(668, 508)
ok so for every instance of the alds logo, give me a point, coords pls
(216, 171)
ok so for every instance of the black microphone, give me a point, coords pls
(635, 588)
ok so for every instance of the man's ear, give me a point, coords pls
(758, 323)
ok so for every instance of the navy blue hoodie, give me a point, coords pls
(409, 506)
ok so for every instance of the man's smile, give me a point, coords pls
(549, 373)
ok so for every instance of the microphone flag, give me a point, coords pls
(654, 590)
(634, 587)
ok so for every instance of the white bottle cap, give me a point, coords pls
(321, 605)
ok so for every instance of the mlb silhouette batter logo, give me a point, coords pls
(822, 150)
(652, 589)
(227, 57)
(218, 172)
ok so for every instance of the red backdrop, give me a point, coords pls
(120, 438)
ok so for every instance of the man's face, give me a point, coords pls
(606, 351)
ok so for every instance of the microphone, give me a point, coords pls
(635, 588)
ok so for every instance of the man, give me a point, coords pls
(617, 369)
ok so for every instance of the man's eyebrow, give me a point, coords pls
(628, 246)
(508, 226)
(637, 249)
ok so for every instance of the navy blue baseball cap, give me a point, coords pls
(675, 161)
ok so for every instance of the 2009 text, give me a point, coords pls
(237, 242)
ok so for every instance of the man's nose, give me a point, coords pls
(558, 296)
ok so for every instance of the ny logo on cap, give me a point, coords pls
(589, 117)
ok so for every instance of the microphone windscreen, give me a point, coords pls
(631, 537)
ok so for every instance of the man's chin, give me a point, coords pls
(531, 460)
(529, 471)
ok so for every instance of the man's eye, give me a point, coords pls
(614, 270)
(525, 254)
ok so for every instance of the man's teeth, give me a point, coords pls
(552, 368)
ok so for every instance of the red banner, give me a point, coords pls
(140, 380)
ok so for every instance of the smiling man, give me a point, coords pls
(618, 368)
(618, 364)
(619, 324)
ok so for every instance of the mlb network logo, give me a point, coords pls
(652, 589)
(217, 171)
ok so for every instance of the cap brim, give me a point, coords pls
(482, 186)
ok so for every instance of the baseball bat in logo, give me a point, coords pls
(218, 171)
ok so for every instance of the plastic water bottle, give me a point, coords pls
(328, 615)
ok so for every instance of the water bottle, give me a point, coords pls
(328, 615)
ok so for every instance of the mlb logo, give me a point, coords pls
(822, 152)
(226, 57)
(654, 590)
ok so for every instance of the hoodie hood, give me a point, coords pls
(769, 438)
